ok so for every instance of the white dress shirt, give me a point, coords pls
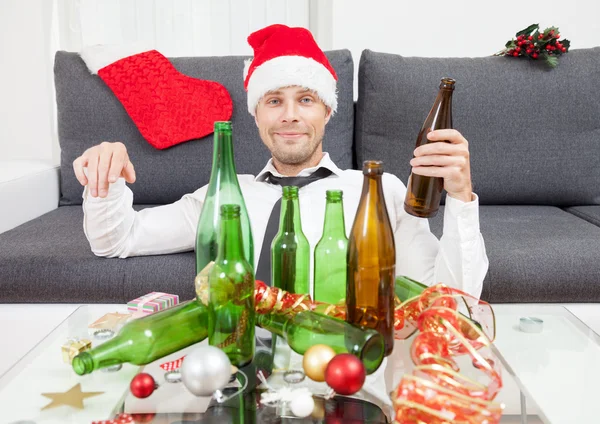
(458, 259)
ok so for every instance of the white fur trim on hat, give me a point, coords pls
(287, 71)
(98, 56)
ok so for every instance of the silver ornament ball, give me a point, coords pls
(205, 370)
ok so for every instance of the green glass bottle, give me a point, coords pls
(231, 293)
(223, 188)
(308, 328)
(149, 338)
(290, 251)
(331, 253)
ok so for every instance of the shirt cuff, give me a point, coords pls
(461, 219)
(115, 190)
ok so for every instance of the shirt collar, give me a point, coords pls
(325, 162)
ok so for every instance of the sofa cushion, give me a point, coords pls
(537, 254)
(589, 213)
(530, 128)
(49, 259)
(89, 113)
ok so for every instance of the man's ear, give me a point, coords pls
(327, 114)
(256, 116)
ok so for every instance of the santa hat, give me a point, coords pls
(285, 57)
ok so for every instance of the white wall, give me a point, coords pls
(441, 28)
(26, 122)
(428, 28)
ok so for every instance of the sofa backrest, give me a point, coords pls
(533, 131)
(89, 113)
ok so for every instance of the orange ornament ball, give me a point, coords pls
(315, 361)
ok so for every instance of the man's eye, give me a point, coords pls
(273, 101)
(306, 100)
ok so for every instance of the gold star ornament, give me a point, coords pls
(73, 397)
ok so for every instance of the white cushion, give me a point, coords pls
(28, 189)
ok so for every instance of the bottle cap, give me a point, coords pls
(173, 376)
(103, 334)
(531, 325)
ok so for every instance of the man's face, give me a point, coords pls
(291, 122)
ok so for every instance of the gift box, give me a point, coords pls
(111, 321)
(74, 347)
(152, 302)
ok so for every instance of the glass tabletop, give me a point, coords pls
(558, 368)
(42, 371)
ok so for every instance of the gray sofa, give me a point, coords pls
(535, 151)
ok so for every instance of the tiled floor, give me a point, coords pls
(23, 326)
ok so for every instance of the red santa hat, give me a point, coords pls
(285, 57)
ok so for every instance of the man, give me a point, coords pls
(292, 95)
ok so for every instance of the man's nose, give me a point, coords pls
(290, 112)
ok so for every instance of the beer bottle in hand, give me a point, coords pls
(423, 194)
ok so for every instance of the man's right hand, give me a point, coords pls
(105, 163)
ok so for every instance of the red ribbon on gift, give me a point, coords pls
(119, 419)
(172, 365)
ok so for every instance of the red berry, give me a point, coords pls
(540, 36)
(563, 49)
(515, 54)
(528, 51)
(557, 36)
(520, 38)
(548, 47)
(520, 43)
(530, 37)
(517, 49)
(551, 31)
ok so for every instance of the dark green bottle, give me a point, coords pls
(290, 251)
(309, 328)
(331, 253)
(149, 338)
(231, 293)
(223, 188)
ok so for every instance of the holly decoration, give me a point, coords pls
(532, 43)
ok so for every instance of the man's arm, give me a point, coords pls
(112, 226)
(114, 229)
(458, 259)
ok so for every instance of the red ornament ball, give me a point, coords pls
(142, 385)
(345, 374)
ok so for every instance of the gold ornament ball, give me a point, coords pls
(315, 361)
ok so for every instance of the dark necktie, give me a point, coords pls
(263, 270)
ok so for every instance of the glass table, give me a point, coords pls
(557, 370)
(42, 370)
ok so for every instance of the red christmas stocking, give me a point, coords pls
(166, 106)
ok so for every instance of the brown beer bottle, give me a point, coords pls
(423, 194)
(372, 260)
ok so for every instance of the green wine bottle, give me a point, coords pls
(149, 338)
(308, 328)
(231, 293)
(331, 253)
(290, 251)
(223, 188)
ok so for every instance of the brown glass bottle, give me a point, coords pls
(423, 194)
(372, 260)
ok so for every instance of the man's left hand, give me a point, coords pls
(449, 161)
